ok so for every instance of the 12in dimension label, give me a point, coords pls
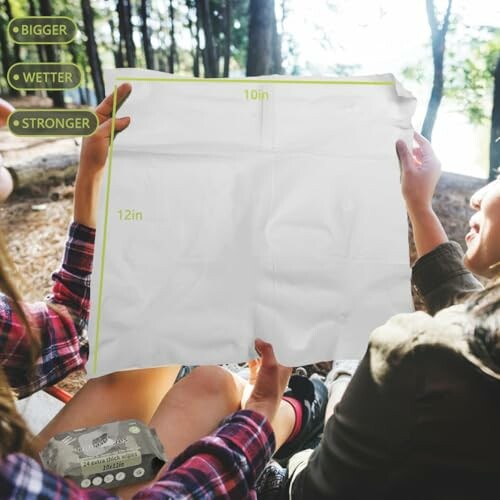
(130, 214)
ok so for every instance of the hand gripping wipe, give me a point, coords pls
(108, 455)
(261, 207)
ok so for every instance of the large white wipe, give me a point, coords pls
(254, 208)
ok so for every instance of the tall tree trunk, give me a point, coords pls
(172, 52)
(210, 60)
(126, 31)
(228, 23)
(8, 10)
(262, 53)
(75, 59)
(33, 12)
(495, 125)
(438, 47)
(197, 53)
(277, 58)
(146, 34)
(57, 96)
(4, 48)
(92, 52)
(117, 52)
(194, 30)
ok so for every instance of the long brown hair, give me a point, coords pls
(14, 434)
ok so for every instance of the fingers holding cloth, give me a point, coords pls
(420, 172)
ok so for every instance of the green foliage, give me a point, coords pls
(470, 76)
(470, 57)
(416, 72)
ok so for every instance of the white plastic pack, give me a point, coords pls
(236, 209)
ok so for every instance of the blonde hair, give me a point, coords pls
(14, 434)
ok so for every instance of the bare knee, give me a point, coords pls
(215, 381)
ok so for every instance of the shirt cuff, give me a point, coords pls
(79, 251)
(438, 266)
(252, 432)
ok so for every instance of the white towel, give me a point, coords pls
(236, 209)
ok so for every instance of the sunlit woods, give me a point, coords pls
(221, 38)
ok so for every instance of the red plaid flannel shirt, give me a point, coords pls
(60, 322)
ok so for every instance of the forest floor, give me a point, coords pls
(35, 231)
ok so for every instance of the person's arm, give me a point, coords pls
(60, 323)
(439, 274)
(23, 477)
(420, 172)
(224, 465)
(93, 157)
(441, 278)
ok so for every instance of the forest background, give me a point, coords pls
(445, 51)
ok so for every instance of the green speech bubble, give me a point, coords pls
(42, 29)
(53, 122)
(47, 76)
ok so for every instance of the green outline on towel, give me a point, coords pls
(252, 80)
(105, 232)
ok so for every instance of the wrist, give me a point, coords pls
(89, 179)
(420, 209)
(87, 190)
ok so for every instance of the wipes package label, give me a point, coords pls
(260, 207)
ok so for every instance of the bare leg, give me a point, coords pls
(118, 396)
(194, 408)
(283, 423)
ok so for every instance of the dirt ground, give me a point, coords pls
(35, 232)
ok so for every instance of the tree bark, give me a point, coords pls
(228, 23)
(194, 30)
(210, 60)
(146, 35)
(57, 96)
(277, 58)
(74, 57)
(4, 48)
(197, 52)
(33, 12)
(438, 35)
(44, 170)
(8, 10)
(495, 125)
(262, 39)
(126, 31)
(92, 52)
(172, 52)
(117, 44)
